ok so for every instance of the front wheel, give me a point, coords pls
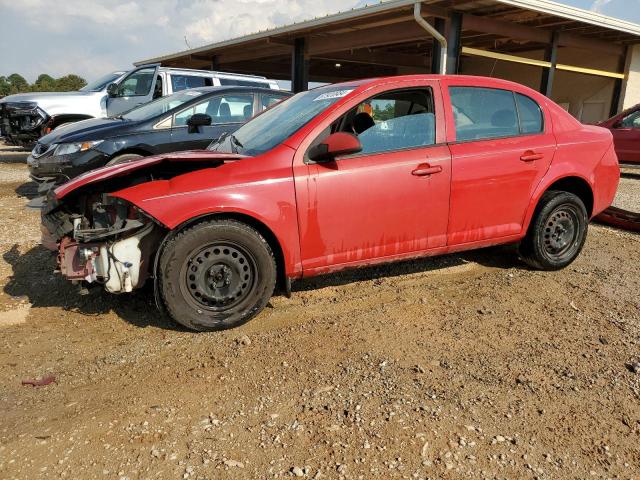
(557, 232)
(125, 157)
(216, 275)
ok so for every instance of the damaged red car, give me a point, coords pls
(340, 176)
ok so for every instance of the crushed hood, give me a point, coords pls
(122, 169)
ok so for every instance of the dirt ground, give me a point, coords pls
(464, 366)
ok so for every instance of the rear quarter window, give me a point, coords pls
(488, 113)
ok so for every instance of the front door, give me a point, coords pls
(228, 112)
(626, 138)
(391, 199)
(503, 148)
(136, 88)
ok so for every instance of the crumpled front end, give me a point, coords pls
(100, 240)
(21, 123)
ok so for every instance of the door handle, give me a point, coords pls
(530, 156)
(424, 170)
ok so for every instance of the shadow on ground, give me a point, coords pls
(34, 279)
(13, 155)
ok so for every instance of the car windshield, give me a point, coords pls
(102, 82)
(277, 124)
(160, 106)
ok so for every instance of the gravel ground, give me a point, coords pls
(458, 367)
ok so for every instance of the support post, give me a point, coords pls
(548, 74)
(215, 64)
(620, 83)
(454, 43)
(436, 57)
(299, 67)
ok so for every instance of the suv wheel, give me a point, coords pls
(216, 275)
(557, 232)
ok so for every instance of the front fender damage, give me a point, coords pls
(102, 239)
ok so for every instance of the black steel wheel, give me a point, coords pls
(216, 275)
(557, 232)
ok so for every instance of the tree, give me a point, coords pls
(17, 83)
(44, 83)
(5, 86)
(70, 83)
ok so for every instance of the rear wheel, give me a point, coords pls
(557, 232)
(216, 275)
(123, 158)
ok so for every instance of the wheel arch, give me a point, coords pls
(57, 120)
(258, 225)
(571, 183)
(135, 150)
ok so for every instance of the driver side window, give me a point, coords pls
(138, 84)
(632, 120)
(391, 121)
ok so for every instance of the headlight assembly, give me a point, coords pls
(68, 148)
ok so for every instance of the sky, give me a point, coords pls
(93, 37)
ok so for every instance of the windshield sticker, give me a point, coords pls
(331, 95)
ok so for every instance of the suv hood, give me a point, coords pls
(85, 130)
(50, 102)
(121, 169)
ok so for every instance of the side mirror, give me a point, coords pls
(336, 144)
(198, 120)
(112, 89)
(617, 124)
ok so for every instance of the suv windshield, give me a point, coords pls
(102, 82)
(160, 106)
(277, 124)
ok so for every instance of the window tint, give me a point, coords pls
(221, 109)
(632, 120)
(392, 121)
(530, 115)
(242, 83)
(483, 113)
(139, 83)
(269, 100)
(184, 82)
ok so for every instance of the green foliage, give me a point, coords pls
(385, 113)
(16, 83)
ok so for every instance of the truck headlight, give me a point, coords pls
(68, 148)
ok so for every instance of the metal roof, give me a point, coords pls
(545, 7)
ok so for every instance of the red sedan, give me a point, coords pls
(625, 128)
(340, 176)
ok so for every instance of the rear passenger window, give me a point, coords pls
(483, 113)
(530, 115)
(184, 82)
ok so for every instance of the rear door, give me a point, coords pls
(501, 145)
(136, 88)
(626, 137)
(227, 111)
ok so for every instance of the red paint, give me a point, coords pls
(626, 135)
(372, 208)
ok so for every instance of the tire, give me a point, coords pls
(216, 275)
(557, 232)
(123, 158)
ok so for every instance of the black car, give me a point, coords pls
(187, 120)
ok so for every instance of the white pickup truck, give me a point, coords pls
(25, 117)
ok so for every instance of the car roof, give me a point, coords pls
(470, 79)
